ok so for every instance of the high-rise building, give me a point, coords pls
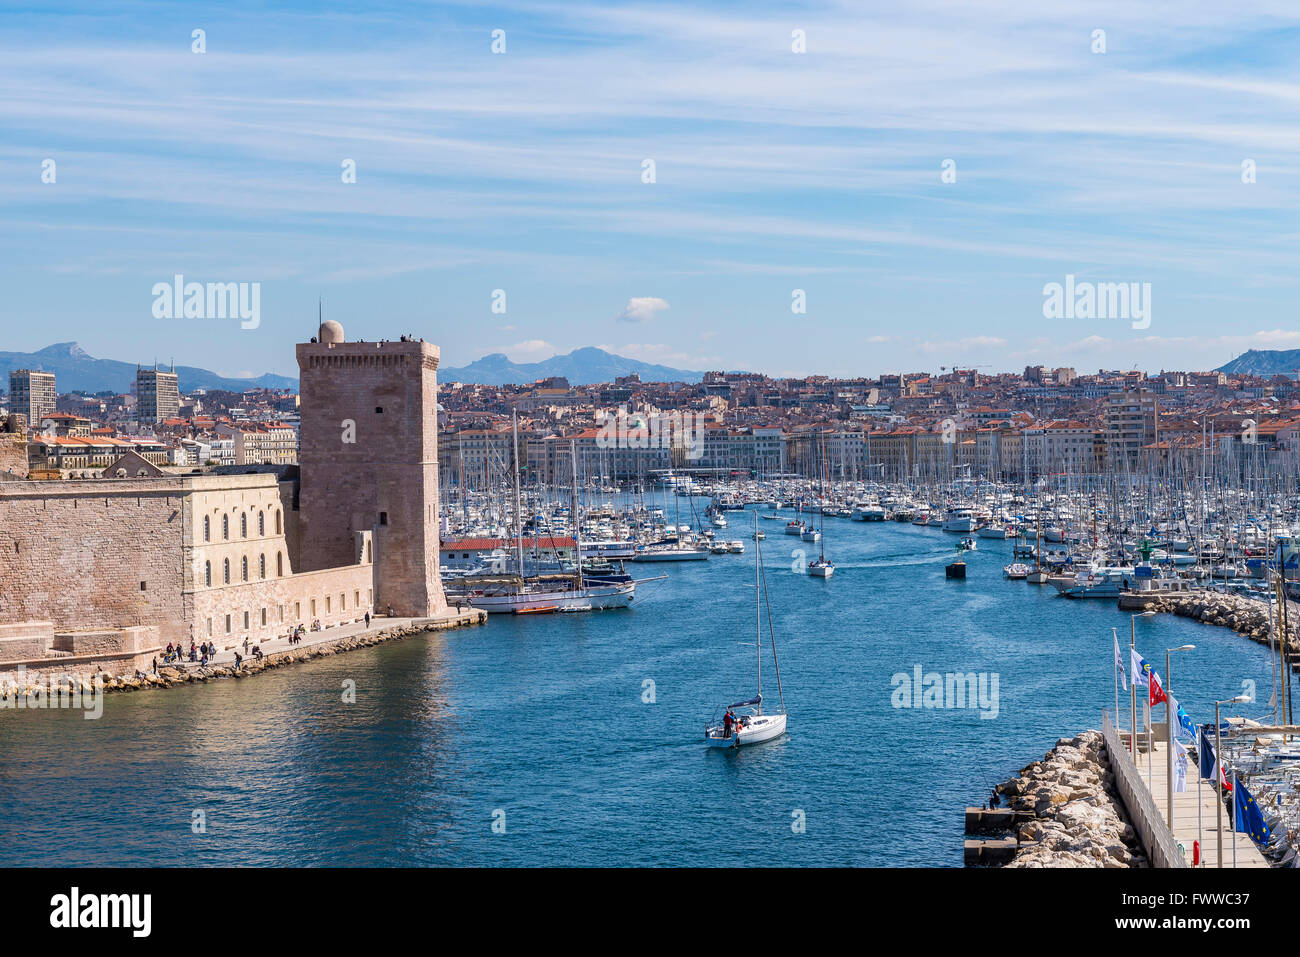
(32, 394)
(158, 394)
(1129, 420)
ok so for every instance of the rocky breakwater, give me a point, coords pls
(1078, 820)
(1245, 616)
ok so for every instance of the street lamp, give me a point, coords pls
(1169, 731)
(1132, 685)
(1218, 777)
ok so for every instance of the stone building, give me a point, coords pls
(140, 562)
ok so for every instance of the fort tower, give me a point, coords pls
(369, 462)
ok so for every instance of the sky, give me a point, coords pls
(915, 173)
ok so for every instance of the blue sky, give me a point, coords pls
(775, 171)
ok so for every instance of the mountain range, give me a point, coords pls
(1264, 362)
(581, 367)
(76, 370)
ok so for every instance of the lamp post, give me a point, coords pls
(1218, 775)
(1132, 684)
(1169, 732)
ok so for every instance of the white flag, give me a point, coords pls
(1119, 662)
(1180, 770)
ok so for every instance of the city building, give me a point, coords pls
(157, 394)
(32, 394)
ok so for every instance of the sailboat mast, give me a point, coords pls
(519, 512)
(758, 617)
(573, 508)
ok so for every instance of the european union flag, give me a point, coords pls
(1246, 816)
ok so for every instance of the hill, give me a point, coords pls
(581, 367)
(75, 370)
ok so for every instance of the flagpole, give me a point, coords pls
(1200, 838)
(1115, 634)
(1133, 691)
(1146, 726)
(1217, 771)
(1236, 783)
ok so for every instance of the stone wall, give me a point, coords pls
(13, 454)
(369, 462)
(92, 554)
(59, 655)
(25, 639)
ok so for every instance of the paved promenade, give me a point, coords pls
(1199, 794)
(325, 636)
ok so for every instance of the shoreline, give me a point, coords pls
(1075, 815)
(382, 631)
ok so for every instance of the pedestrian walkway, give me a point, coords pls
(356, 629)
(1195, 810)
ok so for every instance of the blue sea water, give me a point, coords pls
(541, 726)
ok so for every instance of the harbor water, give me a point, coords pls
(578, 739)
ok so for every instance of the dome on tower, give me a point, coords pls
(331, 331)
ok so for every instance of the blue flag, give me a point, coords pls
(1206, 754)
(1246, 816)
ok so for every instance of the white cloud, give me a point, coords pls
(530, 350)
(641, 309)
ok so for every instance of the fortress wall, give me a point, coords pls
(92, 554)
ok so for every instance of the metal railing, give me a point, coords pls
(1151, 827)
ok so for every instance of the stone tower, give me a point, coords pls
(369, 462)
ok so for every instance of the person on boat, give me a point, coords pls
(726, 724)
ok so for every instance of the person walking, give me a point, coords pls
(367, 619)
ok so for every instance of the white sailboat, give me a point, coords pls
(744, 721)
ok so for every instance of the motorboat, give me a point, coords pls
(959, 520)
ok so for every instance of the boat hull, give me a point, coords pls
(593, 598)
(763, 728)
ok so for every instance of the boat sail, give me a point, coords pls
(744, 721)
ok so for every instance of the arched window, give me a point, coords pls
(261, 523)
(243, 568)
(207, 574)
(261, 566)
(225, 527)
(243, 525)
(278, 530)
(207, 528)
(225, 570)
(369, 552)
(279, 565)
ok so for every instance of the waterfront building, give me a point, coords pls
(104, 572)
